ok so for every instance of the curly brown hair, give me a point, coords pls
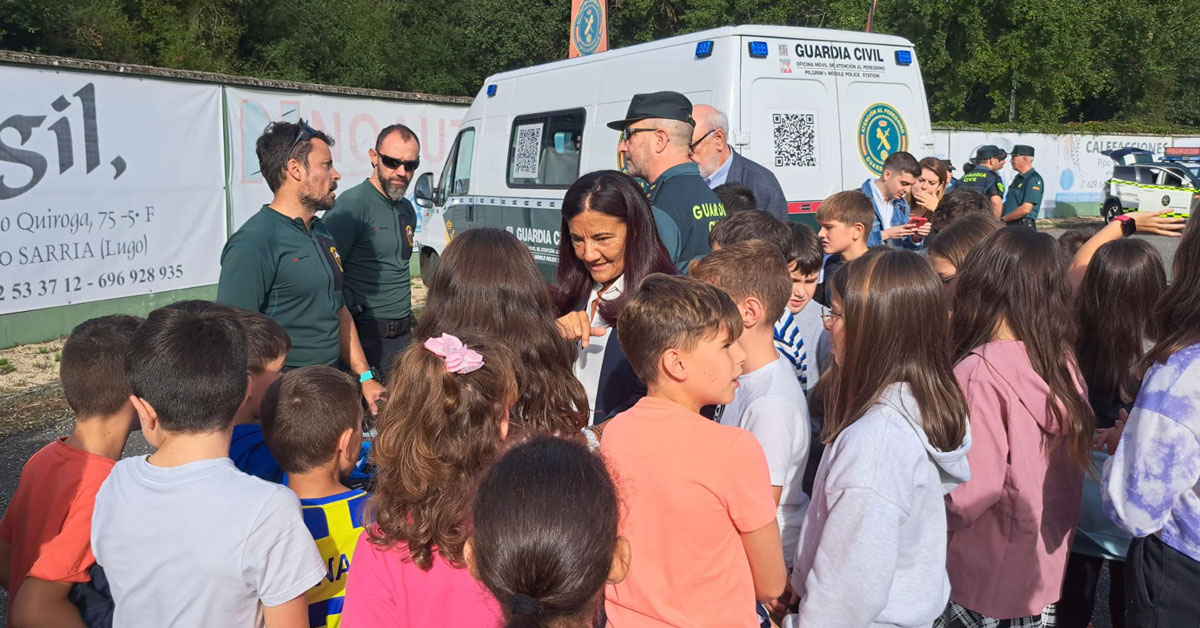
(437, 435)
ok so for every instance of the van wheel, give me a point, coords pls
(1111, 209)
(429, 264)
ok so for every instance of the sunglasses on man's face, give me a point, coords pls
(630, 131)
(696, 143)
(391, 163)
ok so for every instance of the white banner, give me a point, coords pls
(1072, 166)
(110, 186)
(353, 123)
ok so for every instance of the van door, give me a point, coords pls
(793, 132)
(454, 187)
(883, 111)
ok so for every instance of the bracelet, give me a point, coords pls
(366, 376)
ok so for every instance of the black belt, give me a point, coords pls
(376, 328)
(1024, 222)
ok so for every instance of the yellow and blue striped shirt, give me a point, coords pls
(335, 523)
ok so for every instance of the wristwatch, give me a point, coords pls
(1128, 226)
(367, 376)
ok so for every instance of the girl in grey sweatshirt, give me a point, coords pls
(872, 549)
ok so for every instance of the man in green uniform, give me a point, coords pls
(373, 225)
(1024, 198)
(655, 137)
(285, 264)
(989, 160)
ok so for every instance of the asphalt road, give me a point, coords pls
(19, 445)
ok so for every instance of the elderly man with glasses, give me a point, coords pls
(719, 164)
(373, 224)
(284, 263)
(655, 137)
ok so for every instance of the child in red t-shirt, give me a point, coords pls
(45, 546)
(699, 512)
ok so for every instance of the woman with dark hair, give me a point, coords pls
(488, 280)
(924, 197)
(1151, 486)
(949, 248)
(1013, 335)
(1115, 304)
(609, 244)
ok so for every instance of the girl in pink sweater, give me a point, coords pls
(444, 424)
(1011, 524)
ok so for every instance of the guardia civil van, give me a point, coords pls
(821, 108)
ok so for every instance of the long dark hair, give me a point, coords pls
(1019, 277)
(488, 279)
(545, 527)
(437, 434)
(618, 195)
(885, 290)
(1178, 311)
(1116, 300)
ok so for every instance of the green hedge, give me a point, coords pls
(1071, 128)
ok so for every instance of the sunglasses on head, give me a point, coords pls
(391, 163)
(306, 132)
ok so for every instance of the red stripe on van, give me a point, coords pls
(803, 207)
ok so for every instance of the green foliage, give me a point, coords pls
(6, 367)
(1017, 62)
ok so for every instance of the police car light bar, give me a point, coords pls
(491, 91)
(903, 57)
(704, 49)
(758, 49)
(1181, 153)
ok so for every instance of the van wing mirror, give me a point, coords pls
(424, 190)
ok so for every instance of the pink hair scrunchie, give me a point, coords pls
(457, 357)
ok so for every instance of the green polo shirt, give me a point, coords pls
(683, 195)
(983, 179)
(274, 265)
(375, 237)
(1025, 188)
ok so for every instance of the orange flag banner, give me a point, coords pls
(589, 27)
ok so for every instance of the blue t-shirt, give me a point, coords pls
(250, 455)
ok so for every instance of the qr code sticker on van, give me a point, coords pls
(795, 139)
(528, 151)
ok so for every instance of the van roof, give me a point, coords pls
(745, 30)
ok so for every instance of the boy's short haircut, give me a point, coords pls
(1073, 239)
(749, 269)
(266, 340)
(806, 256)
(304, 414)
(92, 366)
(849, 208)
(901, 162)
(672, 312)
(735, 197)
(754, 224)
(188, 361)
(957, 203)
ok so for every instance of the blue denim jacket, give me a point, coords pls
(899, 217)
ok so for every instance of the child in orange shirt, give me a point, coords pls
(45, 536)
(699, 510)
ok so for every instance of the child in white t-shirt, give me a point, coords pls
(770, 402)
(185, 539)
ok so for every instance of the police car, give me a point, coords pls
(1140, 183)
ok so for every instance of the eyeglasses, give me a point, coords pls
(696, 143)
(630, 131)
(306, 132)
(391, 163)
(828, 316)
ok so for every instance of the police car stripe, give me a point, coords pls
(1147, 186)
(505, 201)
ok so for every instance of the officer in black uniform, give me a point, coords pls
(656, 134)
(989, 160)
(1024, 198)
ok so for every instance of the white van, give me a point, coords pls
(820, 108)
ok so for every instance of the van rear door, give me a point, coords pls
(790, 111)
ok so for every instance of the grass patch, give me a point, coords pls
(6, 367)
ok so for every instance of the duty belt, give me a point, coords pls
(374, 328)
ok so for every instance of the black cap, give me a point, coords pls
(989, 151)
(1022, 149)
(664, 105)
(949, 166)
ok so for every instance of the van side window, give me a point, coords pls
(544, 149)
(456, 174)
